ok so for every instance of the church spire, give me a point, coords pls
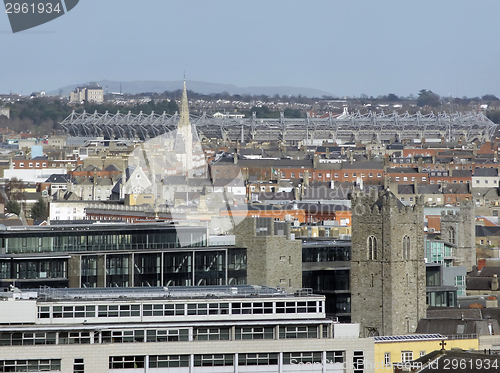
(184, 119)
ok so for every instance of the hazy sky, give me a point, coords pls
(344, 47)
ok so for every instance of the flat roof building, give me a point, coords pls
(176, 329)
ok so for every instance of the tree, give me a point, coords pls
(13, 207)
(39, 210)
(490, 98)
(428, 98)
(14, 189)
(392, 97)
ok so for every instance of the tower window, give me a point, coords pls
(372, 248)
(406, 248)
(451, 235)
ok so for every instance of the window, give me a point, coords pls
(216, 360)
(320, 174)
(335, 357)
(126, 362)
(451, 235)
(424, 178)
(406, 248)
(301, 175)
(211, 334)
(387, 359)
(422, 353)
(346, 174)
(302, 357)
(459, 280)
(42, 365)
(372, 248)
(258, 359)
(258, 332)
(379, 175)
(78, 366)
(370, 174)
(354, 174)
(405, 178)
(336, 175)
(167, 335)
(406, 356)
(292, 175)
(168, 361)
(397, 178)
(358, 361)
(290, 332)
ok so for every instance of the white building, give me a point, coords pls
(181, 330)
(485, 178)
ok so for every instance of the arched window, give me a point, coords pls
(406, 248)
(451, 235)
(372, 248)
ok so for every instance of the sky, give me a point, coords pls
(345, 47)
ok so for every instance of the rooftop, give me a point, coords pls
(167, 292)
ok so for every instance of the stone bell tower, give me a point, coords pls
(388, 276)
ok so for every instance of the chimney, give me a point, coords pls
(420, 164)
(494, 282)
(235, 157)
(386, 182)
(306, 178)
(315, 161)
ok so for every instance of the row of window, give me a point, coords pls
(158, 335)
(372, 249)
(217, 360)
(172, 309)
(33, 365)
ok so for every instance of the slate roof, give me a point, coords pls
(368, 165)
(449, 326)
(60, 179)
(485, 172)
(406, 189)
(482, 231)
(112, 168)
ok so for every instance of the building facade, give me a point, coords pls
(176, 330)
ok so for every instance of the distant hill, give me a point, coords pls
(198, 87)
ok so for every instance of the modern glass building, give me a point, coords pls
(116, 255)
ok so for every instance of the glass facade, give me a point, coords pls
(439, 252)
(33, 269)
(94, 238)
(326, 253)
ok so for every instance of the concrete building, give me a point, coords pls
(388, 275)
(176, 330)
(90, 93)
(5, 111)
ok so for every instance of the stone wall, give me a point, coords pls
(459, 229)
(272, 260)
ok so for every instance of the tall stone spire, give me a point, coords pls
(184, 138)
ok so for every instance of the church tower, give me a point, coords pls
(458, 229)
(388, 276)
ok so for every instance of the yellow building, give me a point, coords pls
(389, 351)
